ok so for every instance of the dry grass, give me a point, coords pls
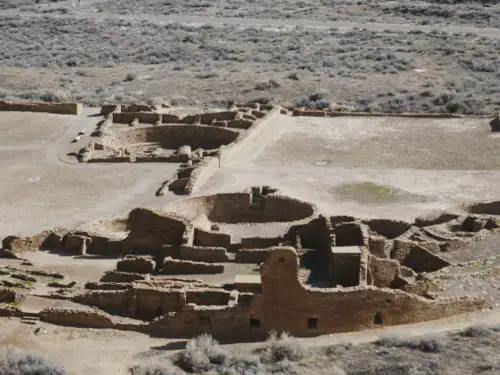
(125, 61)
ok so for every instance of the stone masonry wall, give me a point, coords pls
(289, 306)
(211, 238)
(151, 230)
(186, 267)
(203, 254)
(57, 108)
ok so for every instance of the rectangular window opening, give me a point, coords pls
(312, 323)
(254, 323)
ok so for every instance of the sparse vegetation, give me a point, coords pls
(209, 60)
(19, 362)
(429, 344)
(283, 347)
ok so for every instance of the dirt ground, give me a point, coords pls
(384, 167)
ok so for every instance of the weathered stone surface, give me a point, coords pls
(387, 227)
(136, 264)
(122, 277)
(203, 254)
(376, 245)
(434, 218)
(83, 318)
(473, 224)
(58, 108)
(179, 267)
(382, 271)
(414, 256)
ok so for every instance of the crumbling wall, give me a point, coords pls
(143, 117)
(291, 307)
(351, 234)
(203, 254)
(151, 230)
(116, 302)
(238, 207)
(208, 297)
(227, 322)
(151, 303)
(382, 272)
(122, 277)
(136, 264)
(416, 257)
(187, 267)
(57, 108)
(73, 317)
(486, 208)
(387, 227)
(173, 136)
(208, 118)
(137, 108)
(211, 238)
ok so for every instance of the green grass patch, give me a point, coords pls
(368, 192)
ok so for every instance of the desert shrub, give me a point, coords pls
(130, 77)
(20, 362)
(317, 100)
(428, 343)
(271, 84)
(476, 331)
(201, 354)
(406, 367)
(282, 347)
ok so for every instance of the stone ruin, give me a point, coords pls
(198, 142)
(317, 274)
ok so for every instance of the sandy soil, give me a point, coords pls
(428, 164)
(41, 188)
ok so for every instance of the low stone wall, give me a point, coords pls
(57, 108)
(170, 136)
(143, 117)
(203, 254)
(487, 208)
(136, 264)
(122, 277)
(81, 318)
(187, 267)
(202, 173)
(208, 297)
(106, 109)
(410, 254)
(137, 108)
(211, 238)
(387, 227)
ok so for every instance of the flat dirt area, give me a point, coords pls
(374, 166)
